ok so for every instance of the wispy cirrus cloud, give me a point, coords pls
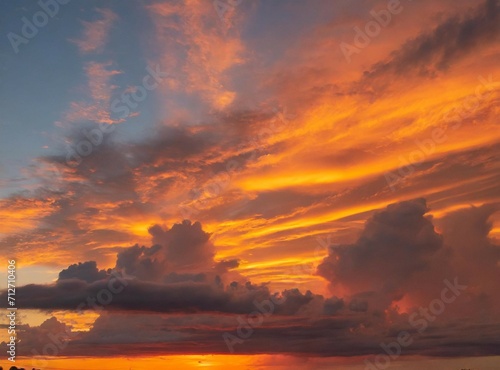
(96, 33)
(95, 104)
(199, 48)
(96, 108)
(99, 90)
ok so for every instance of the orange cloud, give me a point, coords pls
(210, 48)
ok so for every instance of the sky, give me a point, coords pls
(261, 184)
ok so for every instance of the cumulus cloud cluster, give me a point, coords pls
(177, 274)
(395, 245)
(399, 255)
(86, 271)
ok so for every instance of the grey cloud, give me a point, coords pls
(352, 335)
(185, 245)
(86, 271)
(395, 244)
(184, 296)
(140, 262)
(343, 335)
(446, 44)
(34, 338)
(185, 248)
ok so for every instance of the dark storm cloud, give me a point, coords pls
(399, 254)
(139, 261)
(186, 296)
(185, 245)
(185, 248)
(177, 274)
(86, 271)
(395, 244)
(475, 256)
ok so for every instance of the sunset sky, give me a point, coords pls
(325, 172)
